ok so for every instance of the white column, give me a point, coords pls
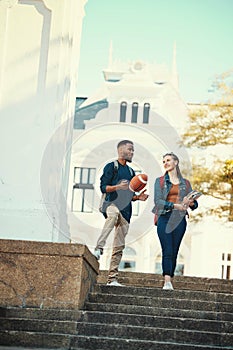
(39, 55)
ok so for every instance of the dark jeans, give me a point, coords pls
(171, 229)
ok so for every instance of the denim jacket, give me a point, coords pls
(160, 194)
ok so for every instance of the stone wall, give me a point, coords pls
(45, 275)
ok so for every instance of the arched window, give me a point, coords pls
(134, 117)
(123, 109)
(179, 267)
(146, 112)
(128, 261)
(129, 251)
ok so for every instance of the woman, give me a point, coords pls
(172, 204)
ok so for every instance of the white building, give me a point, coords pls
(141, 102)
(45, 194)
(39, 55)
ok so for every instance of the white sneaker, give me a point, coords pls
(115, 283)
(168, 286)
(97, 253)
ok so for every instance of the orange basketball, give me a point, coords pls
(138, 182)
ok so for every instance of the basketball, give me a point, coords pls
(138, 182)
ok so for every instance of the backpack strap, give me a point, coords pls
(115, 169)
(161, 181)
(116, 166)
(155, 209)
(130, 170)
(103, 196)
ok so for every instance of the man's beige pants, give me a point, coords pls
(114, 219)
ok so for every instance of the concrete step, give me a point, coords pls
(158, 334)
(157, 321)
(101, 343)
(179, 282)
(20, 348)
(31, 340)
(35, 313)
(69, 327)
(38, 325)
(187, 319)
(158, 311)
(159, 293)
(45, 328)
(170, 299)
(196, 316)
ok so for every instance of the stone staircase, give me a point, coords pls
(198, 315)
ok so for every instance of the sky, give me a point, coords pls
(147, 30)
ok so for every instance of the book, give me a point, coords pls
(194, 194)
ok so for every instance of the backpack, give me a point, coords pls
(102, 206)
(155, 209)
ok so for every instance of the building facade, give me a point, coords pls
(141, 102)
(51, 159)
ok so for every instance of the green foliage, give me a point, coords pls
(209, 126)
(227, 174)
(216, 182)
(212, 125)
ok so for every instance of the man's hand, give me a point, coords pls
(123, 185)
(143, 196)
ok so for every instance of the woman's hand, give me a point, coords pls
(181, 207)
(187, 202)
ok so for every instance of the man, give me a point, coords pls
(118, 206)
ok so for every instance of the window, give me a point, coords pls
(129, 251)
(158, 268)
(127, 265)
(123, 109)
(146, 111)
(179, 271)
(83, 190)
(226, 266)
(228, 272)
(134, 117)
(128, 262)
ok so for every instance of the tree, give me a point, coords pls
(227, 177)
(216, 182)
(210, 126)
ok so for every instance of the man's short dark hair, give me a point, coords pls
(124, 142)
